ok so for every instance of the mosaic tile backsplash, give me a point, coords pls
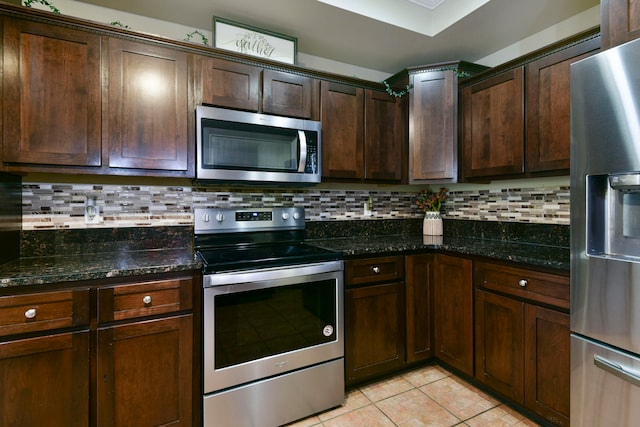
(61, 206)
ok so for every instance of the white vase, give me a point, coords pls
(432, 224)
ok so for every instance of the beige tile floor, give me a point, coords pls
(428, 396)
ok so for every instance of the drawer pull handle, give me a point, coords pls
(31, 313)
(523, 282)
(376, 269)
(147, 299)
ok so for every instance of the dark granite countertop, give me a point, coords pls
(534, 255)
(71, 256)
(77, 267)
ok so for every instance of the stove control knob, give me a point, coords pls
(205, 218)
(219, 217)
(296, 216)
(285, 216)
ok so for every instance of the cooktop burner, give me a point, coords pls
(229, 239)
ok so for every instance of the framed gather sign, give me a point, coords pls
(254, 41)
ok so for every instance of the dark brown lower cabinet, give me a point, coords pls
(388, 320)
(144, 373)
(453, 312)
(44, 381)
(374, 324)
(419, 291)
(547, 364)
(112, 353)
(500, 344)
(522, 352)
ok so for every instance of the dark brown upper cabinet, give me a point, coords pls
(548, 107)
(362, 134)
(51, 99)
(147, 114)
(620, 21)
(383, 137)
(516, 117)
(433, 119)
(342, 115)
(248, 87)
(78, 100)
(287, 94)
(493, 125)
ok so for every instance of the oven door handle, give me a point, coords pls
(626, 374)
(302, 138)
(270, 274)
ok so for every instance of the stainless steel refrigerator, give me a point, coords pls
(605, 238)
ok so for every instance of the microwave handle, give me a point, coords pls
(302, 137)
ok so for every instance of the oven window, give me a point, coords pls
(259, 323)
(236, 146)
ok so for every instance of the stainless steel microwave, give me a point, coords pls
(241, 146)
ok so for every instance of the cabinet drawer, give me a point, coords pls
(533, 285)
(44, 311)
(372, 270)
(128, 301)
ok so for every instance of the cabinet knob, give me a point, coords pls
(147, 299)
(31, 313)
(523, 282)
(375, 269)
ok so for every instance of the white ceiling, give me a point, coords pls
(368, 41)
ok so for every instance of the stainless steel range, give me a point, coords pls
(273, 318)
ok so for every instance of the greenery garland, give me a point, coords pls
(397, 94)
(28, 3)
(119, 24)
(205, 41)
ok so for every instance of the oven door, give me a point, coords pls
(262, 323)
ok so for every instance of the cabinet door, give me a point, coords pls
(384, 137)
(289, 94)
(374, 324)
(144, 373)
(499, 344)
(453, 312)
(228, 84)
(433, 121)
(549, 107)
(620, 21)
(493, 125)
(147, 107)
(547, 363)
(51, 100)
(419, 288)
(342, 109)
(44, 381)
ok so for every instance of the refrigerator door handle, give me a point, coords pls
(618, 370)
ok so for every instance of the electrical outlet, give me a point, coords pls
(92, 212)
